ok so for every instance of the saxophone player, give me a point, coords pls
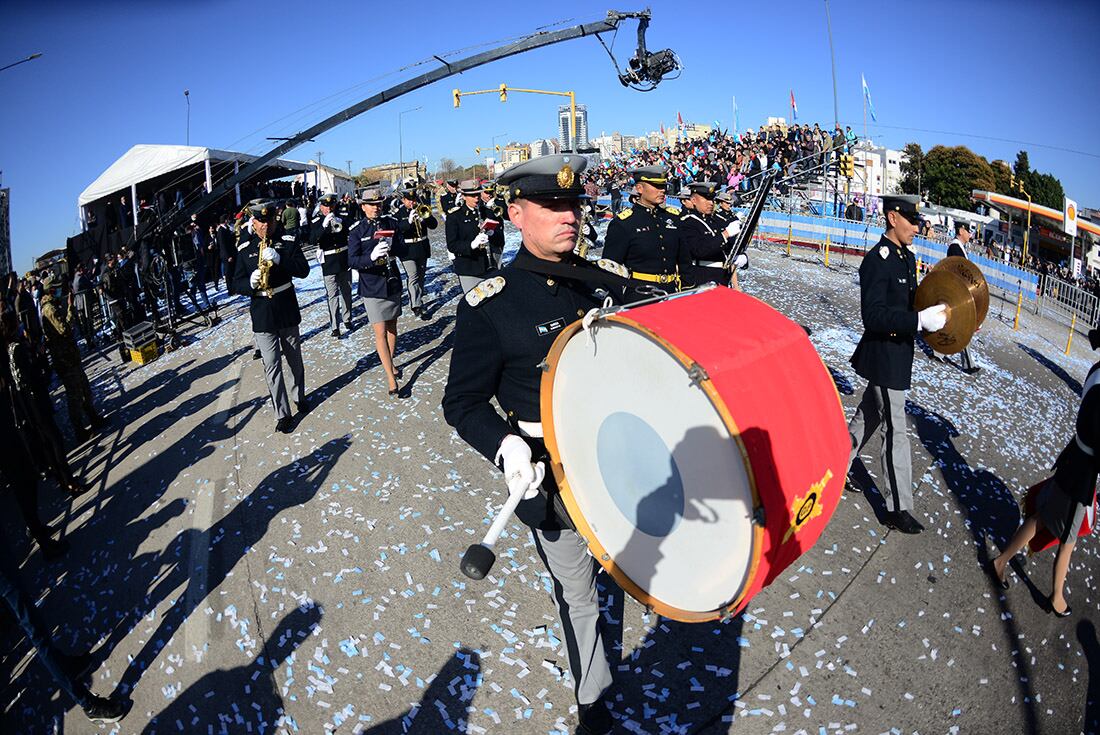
(329, 232)
(267, 260)
(414, 220)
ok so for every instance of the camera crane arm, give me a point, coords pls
(641, 70)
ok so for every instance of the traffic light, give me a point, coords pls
(457, 95)
(504, 93)
(477, 151)
(1012, 181)
(847, 165)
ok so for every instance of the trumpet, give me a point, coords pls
(423, 211)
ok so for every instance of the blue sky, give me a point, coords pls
(113, 74)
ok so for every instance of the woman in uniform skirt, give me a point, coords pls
(1066, 497)
(379, 281)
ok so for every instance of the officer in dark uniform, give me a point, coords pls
(884, 355)
(493, 207)
(505, 328)
(724, 207)
(274, 310)
(957, 249)
(706, 238)
(466, 239)
(646, 238)
(416, 248)
(329, 233)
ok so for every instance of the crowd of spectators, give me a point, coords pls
(734, 161)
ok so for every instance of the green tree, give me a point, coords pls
(1045, 189)
(1001, 172)
(1022, 166)
(912, 169)
(951, 173)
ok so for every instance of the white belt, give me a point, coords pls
(1084, 447)
(415, 239)
(334, 252)
(272, 291)
(711, 264)
(532, 429)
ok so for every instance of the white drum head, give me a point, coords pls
(653, 469)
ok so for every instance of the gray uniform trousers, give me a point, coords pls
(574, 573)
(338, 288)
(884, 409)
(273, 347)
(414, 270)
(964, 358)
(468, 282)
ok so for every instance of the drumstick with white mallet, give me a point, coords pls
(479, 558)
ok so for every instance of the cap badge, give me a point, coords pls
(565, 177)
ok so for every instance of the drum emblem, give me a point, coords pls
(805, 509)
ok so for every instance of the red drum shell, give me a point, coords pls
(780, 405)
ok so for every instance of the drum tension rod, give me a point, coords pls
(544, 366)
(697, 374)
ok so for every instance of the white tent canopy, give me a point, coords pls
(145, 162)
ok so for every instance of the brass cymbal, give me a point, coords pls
(974, 278)
(944, 286)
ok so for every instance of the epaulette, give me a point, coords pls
(485, 290)
(291, 238)
(315, 219)
(452, 210)
(672, 210)
(625, 213)
(242, 244)
(615, 267)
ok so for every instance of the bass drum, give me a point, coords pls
(699, 444)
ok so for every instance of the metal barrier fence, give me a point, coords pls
(1068, 304)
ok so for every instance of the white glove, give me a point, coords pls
(412, 216)
(270, 254)
(381, 250)
(480, 241)
(328, 219)
(733, 228)
(741, 261)
(254, 279)
(932, 319)
(519, 473)
(320, 256)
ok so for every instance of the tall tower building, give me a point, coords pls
(563, 127)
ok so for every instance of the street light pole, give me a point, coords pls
(32, 57)
(401, 140)
(832, 59)
(187, 96)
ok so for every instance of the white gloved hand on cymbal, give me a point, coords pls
(254, 279)
(480, 241)
(522, 476)
(932, 319)
(270, 254)
(381, 250)
(740, 262)
(733, 228)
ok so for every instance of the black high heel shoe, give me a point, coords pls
(1050, 609)
(1001, 582)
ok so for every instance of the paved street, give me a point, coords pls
(231, 579)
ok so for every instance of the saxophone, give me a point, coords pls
(264, 266)
(583, 243)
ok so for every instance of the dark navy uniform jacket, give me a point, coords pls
(1076, 470)
(414, 235)
(702, 236)
(463, 225)
(887, 284)
(646, 240)
(280, 310)
(377, 280)
(498, 346)
(329, 239)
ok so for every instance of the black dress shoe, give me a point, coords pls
(424, 315)
(255, 354)
(972, 370)
(902, 521)
(284, 426)
(1001, 582)
(349, 328)
(595, 718)
(335, 333)
(1064, 614)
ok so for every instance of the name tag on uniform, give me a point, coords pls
(550, 327)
